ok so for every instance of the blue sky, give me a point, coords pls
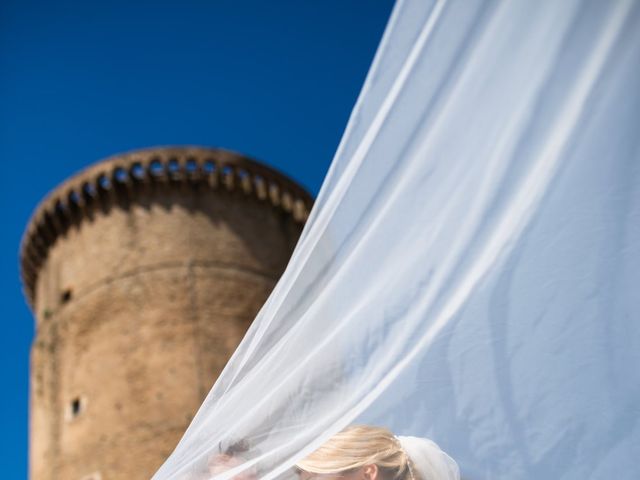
(83, 80)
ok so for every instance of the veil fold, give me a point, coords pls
(430, 462)
(469, 271)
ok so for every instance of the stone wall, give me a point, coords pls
(144, 272)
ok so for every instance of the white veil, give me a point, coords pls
(470, 270)
(428, 459)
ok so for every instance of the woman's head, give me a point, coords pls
(359, 452)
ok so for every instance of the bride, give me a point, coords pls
(363, 452)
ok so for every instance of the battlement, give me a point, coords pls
(120, 180)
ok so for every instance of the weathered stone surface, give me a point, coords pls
(141, 294)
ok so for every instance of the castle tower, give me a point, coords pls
(143, 272)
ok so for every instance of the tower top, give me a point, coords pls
(119, 180)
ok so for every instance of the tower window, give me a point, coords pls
(75, 408)
(66, 295)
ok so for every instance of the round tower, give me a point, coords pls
(144, 272)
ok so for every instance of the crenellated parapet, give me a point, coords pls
(144, 272)
(123, 179)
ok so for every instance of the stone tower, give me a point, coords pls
(143, 272)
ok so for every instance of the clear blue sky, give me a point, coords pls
(83, 80)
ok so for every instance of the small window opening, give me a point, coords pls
(104, 182)
(89, 190)
(59, 208)
(120, 175)
(74, 198)
(137, 171)
(192, 165)
(76, 405)
(173, 166)
(156, 168)
(66, 295)
(209, 166)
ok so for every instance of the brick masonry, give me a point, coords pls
(144, 272)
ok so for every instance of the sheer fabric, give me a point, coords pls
(428, 460)
(469, 271)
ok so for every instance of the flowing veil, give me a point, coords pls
(470, 270)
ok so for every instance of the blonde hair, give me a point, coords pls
(357, 446)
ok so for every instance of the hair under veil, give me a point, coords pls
(397, 457)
